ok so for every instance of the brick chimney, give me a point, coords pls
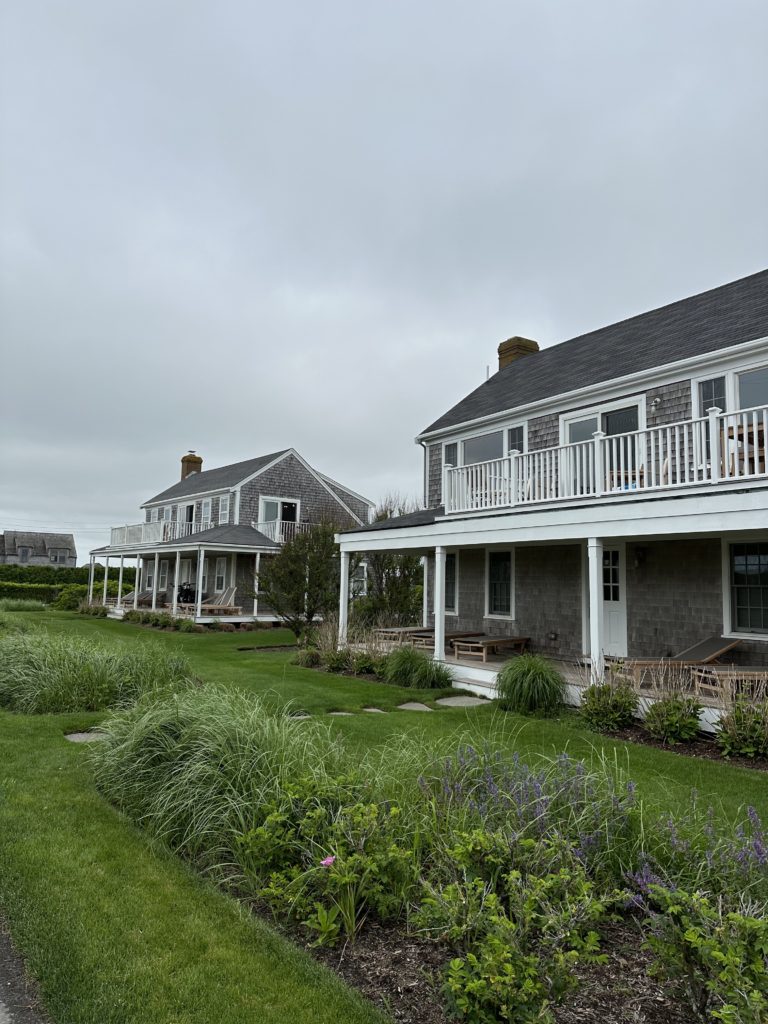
(190, 463)
(515, 348)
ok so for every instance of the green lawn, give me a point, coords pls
(118, 931)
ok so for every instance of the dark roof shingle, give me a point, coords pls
(216, 479)
(729, 315)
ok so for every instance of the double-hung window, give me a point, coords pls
(24, 554)
(749, 587)
(220, 580)
(205, 576)
(224, 509)
(499, 582)
(162, 575)
(205, 513)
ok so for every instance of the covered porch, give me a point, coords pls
(211, 575)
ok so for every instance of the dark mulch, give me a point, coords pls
(621, 991)
(402, 975)
(397, 972)
(702, 747)
(19, 998)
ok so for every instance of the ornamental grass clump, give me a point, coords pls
(409, 667)
(47, 674)
(10, 604)
(530, 684)
(608, 707)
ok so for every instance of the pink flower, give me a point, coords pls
(327, 862)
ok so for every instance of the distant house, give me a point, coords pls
(202, 541)
(23, 548)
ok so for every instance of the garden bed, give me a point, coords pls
(701, 748)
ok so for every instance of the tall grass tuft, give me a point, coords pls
(530, 684)
(11, 604)
(406, 666)
(47, 674)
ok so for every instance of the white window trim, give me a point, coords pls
(206, 503)
(455, 610)
(181, 511)
(725, 555)
(487, 587)
(24, 553)
(271, 497)
(162, 575)
(466, 435)
(731, 372)
(216, 588)
(204, 581)
(574, 415)
(185, 570)
(227, 499)
(167, 513)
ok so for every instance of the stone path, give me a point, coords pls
(461, 702)
(375, 711)
(341, 714)
(413, 705)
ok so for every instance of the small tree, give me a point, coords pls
(301, 583)
(394, 580)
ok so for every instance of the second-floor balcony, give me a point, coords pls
(714, 449)
(142, 534)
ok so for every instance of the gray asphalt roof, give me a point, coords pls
(217, 479)
(729, 315)
(245, 536)
(423, 517)
(40, 543)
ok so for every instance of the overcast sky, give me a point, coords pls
(241, 226)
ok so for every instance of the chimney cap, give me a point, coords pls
(190, 463)
(516, 348)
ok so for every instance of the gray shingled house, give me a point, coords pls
(26, 548)
(607, 495)
(200, 546)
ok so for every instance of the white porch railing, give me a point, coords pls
(155, 533)
(280, 531)
(709, 450)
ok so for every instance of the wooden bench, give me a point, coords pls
(426, 638)
(480, 646)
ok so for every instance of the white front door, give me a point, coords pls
(614, 601)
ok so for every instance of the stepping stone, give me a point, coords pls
(298, 718)
(341, 714)
(461, 702)
(413, 705)
(375, 711)
(83, 737)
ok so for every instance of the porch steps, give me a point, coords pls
(480, 681)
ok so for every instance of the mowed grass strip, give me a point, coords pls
(119, 933)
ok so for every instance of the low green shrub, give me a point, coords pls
(49, 674)
(743, 731)
(57, 575)
(338, 660)
(307, 657)
(673, 719)
(71, 597)
(214, 625)
(97, 610)
(188, 626)
(529, 684)
(133, 615)
(719, 960)
(407, 666)
(608, 707)
(363, 663)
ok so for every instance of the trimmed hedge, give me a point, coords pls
(29, 591)
(56, 576)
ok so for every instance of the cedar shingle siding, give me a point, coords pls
(41, 547)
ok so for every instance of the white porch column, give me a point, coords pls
(137, 583)
(425, 593)
(176, 574)
(91, 572)
(154, 581)
(439, 603)
(257, 567)
(120, 583)
(106, 573)
(199, 594)
(595, 573)
(344, 598)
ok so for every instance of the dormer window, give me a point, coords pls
(59, 556)
(24, 554)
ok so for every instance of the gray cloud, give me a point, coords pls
(241, 226)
